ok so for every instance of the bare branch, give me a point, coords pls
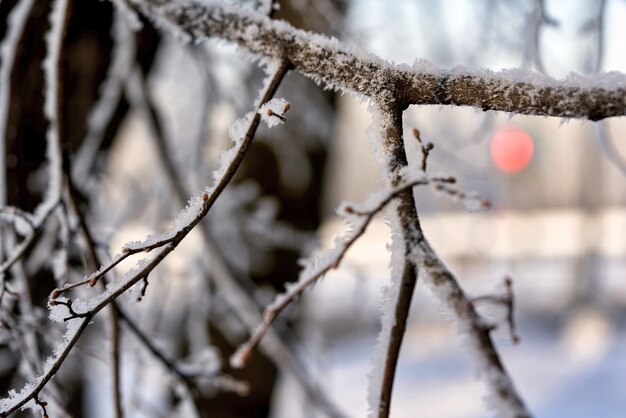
(344, 67)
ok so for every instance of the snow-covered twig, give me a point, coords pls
(192, 215)
(344, 67)
(317, 270)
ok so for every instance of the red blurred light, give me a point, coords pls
(511, 149)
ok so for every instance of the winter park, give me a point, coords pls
(312, 208)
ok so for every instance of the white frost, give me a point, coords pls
(273, 112)
(387, 307)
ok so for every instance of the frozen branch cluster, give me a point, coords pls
(389, 88)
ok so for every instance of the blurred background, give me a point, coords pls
(145, 120)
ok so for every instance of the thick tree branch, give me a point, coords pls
(341, 66)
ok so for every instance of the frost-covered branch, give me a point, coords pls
(237, 291)
(195, 211)
(319, 266)
(344, 67)
(31, 391)
(503, 396)
(388, 145)
(410, 246)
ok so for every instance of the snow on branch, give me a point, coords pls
(318, 266)
(412, 254)
(345, 67)
(78, 313)
(503, 397)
